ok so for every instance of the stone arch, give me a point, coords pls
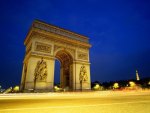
(44, 43)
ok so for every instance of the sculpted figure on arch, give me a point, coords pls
(41, 71)
(83, 74)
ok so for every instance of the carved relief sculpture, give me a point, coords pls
(83, 56)
(41, 71)
(83, 74)
(43, 47)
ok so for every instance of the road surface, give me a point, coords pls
(76, 102)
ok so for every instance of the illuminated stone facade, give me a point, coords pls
(45, 43)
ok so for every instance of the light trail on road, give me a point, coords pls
(87, 102)
(58, 107)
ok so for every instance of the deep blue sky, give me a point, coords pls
(119, 31)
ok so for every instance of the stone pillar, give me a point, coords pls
(86, 85)
(50, 77)
(31, 83)
(71, 76)
(23, 77)
(61, 76)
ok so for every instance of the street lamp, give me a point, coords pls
(116, 85)
(35, 78)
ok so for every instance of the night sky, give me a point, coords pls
(119, 31)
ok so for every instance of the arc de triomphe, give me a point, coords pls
(45, 43)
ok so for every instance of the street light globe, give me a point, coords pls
(132, 84)
(16, 88)
(116, 85)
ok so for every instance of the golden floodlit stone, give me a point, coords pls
(44, 44)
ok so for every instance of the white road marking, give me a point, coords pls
(92, 105)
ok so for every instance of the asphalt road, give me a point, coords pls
(86, 102)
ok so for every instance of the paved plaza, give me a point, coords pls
(77, 102)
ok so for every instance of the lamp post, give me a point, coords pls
(81, 84)
(35, 77)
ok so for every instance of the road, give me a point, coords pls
(76, 102)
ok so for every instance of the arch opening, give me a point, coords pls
(66, 61)
(57, 73)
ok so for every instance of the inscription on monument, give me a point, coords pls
(43, 47)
